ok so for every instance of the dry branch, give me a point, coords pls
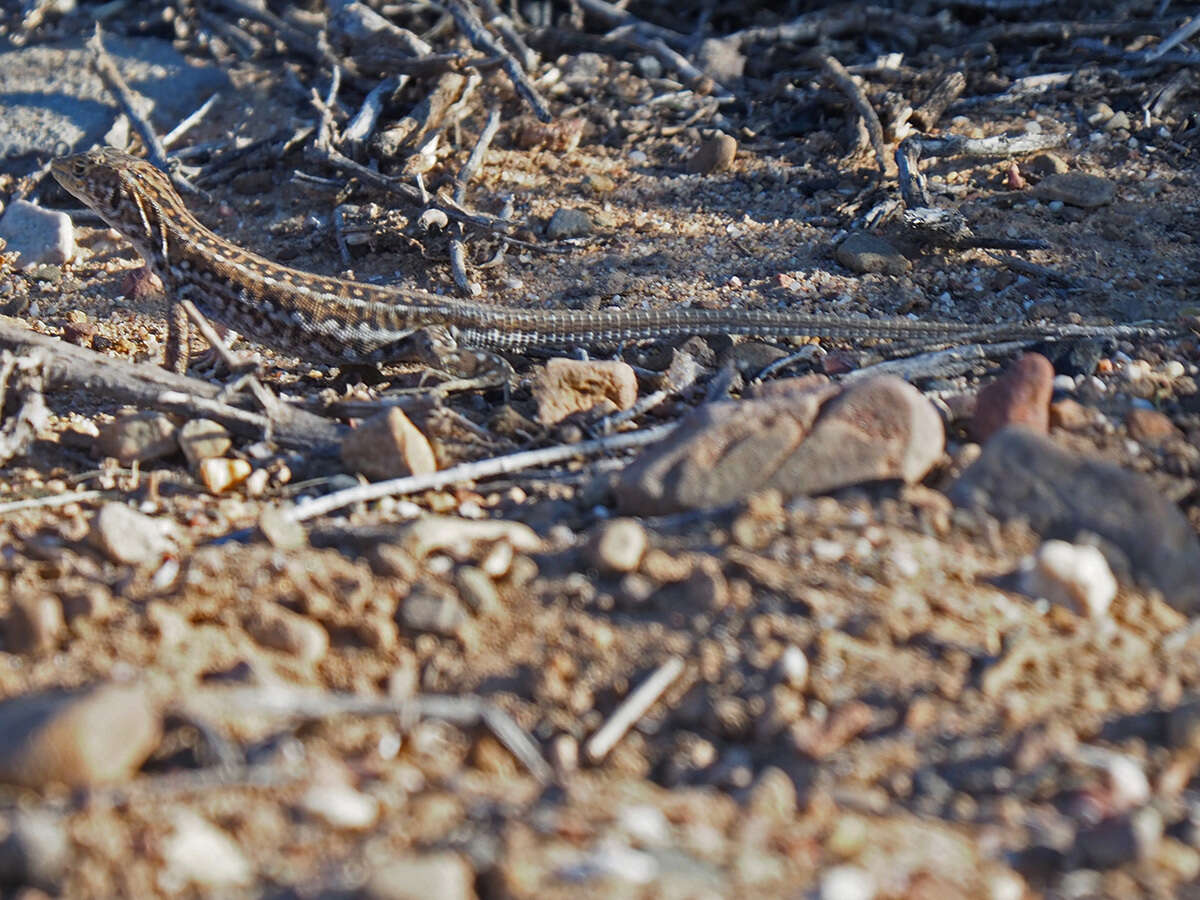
(152, 387)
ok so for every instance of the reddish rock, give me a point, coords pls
(1021, 396)
(1148, 426)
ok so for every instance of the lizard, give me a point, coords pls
(324, 319)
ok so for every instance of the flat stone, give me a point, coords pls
(53, 102)
(1020, 396)
(1077, 189)
(1072, 498)
(128, 537)
(877, 430)
(80, 739)
(564, 387)
(863, 253)
(39, 236)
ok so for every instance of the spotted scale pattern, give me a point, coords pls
(324, 319)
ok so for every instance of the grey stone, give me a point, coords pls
(568, 223)
(53, 102)
(1077, 189)
(39, 236)
(128, 537)
(1072, 498)
(425, 611)
(861, 252)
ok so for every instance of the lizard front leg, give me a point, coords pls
(466, 369)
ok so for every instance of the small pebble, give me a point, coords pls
(38, 236)
(569, 223)
(199, 854)
(714, 155)
(617, 545)
(1073, 575)
(221, 474)
(340, 806)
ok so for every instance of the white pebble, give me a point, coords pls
(1073, 575)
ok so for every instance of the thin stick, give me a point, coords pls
(474, 471)
(50, 500)
(478, 152)
(614, 16)
(1181, 34)
(847, 85)
(458, 268)
(633, 708)
(355, 134)
(169, 140)
(474, 30)
(998, 145)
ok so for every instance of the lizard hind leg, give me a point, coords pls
(465, 368)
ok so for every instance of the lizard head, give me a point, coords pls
(125, 191)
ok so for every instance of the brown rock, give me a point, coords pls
(1148, 426)
(97, 736)
(1020, 396)
(880, 429)
(388, 446)
(564, 387)
(1070, 414)
(33, 624)
(862, 252)
(714, 155)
